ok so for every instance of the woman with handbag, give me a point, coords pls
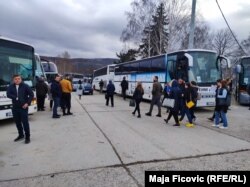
(137, 96)
(175, 94)
(190, 103)
(221, 106)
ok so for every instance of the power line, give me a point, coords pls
(230, 29)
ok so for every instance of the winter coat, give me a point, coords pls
(25, 95)
(175, 94)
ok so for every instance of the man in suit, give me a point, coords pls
(21, 96)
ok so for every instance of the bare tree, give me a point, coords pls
(138, 19)
(178, 12)
(202, 36)
(224, 43)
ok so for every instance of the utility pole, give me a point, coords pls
(192, 26)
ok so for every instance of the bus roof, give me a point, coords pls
(244, 57)
(105, 66)
(184, 50)
(12, 40)
(192, 50)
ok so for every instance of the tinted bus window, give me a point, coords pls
(145, 66)
(158, 64)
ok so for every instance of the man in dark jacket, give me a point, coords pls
(110, 93)
(21, 95)
(56, 91)
(124, 85)
(41, 91)
(156, 96)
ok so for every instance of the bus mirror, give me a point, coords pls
(238, 68)
(190, 59)
(224, 62)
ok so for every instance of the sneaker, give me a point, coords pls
(222, 127)
(148, 114)
(19, 138)
(166, 120)
(158, 115)
(215, 125)
(189, 125)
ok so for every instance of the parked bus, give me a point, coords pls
(39, 72)
(77, 76)
(50, 69)
(242, 80)
(15, 58)
(105, 73)
(202, 66)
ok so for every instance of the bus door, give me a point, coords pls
(182, 66)
(133, 78)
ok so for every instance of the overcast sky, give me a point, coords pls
(92, 29)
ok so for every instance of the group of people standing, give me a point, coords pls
(60, 89)
(182, 93)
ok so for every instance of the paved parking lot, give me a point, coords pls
(108, 146)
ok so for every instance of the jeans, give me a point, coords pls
(21, 119)
(223, 117)
(56, 104)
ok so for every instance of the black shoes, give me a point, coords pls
(176, 125)
(27, 140)
(19, 138)
(69, 113)
(56, 116)
(139, 116)
(133, 113)
(148, 114)
(211, 119)
(158, 115)
(166, 120)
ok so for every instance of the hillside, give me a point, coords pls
(79, 65)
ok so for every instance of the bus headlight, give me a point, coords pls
(33, 102)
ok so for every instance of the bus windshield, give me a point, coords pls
(15, 58)
(204, 70)
(246, 71)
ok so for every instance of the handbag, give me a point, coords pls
(190, 104)
(168, 102)
(132, 102)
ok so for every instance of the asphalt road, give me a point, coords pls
(108, 146)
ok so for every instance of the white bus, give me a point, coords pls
(39, 72)
(202, 66)
(50, 69)
(105, 73)
(15, 58)
(242, 80)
